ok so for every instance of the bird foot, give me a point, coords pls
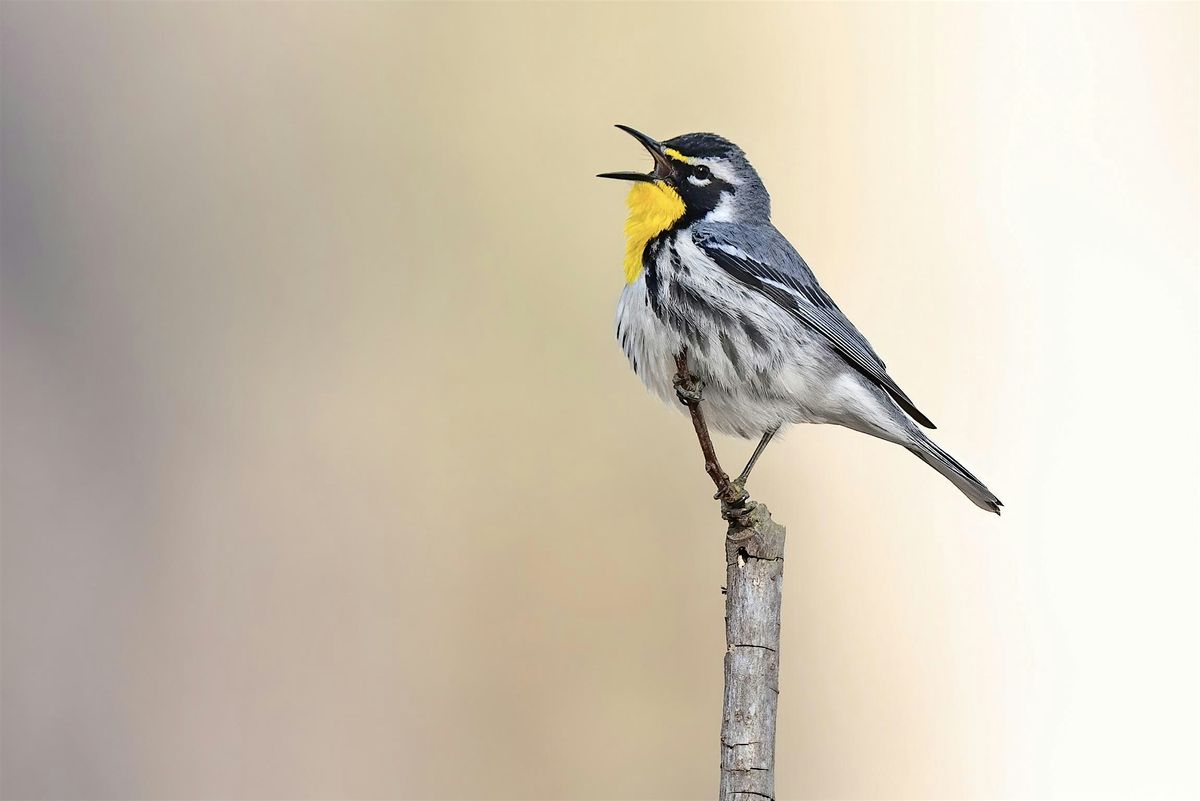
(689, 390)
(736, 504)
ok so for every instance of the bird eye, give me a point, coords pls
(702, 171)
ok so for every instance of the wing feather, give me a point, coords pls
(767, 263)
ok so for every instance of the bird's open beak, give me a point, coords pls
(662, 163)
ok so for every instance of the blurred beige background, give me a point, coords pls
(324, 477)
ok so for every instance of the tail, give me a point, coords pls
(959, 476)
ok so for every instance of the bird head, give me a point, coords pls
(697, 177)
(705, 175)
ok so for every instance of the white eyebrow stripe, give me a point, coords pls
(720, 169)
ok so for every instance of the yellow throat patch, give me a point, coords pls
(653, 208)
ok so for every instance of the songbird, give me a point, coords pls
(707, 273)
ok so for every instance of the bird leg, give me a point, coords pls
(762, 446)
(735, 501)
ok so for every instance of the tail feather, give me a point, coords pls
(933, 455)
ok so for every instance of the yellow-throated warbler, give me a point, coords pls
(706, 271)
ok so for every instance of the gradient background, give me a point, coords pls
(324, 477)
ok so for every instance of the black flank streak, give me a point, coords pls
(757, 338)
(680, 267)
(649, 264)
(731, 353)
(686, 296)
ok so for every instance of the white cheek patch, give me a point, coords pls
(724, 210)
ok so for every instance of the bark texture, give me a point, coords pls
(754, 590)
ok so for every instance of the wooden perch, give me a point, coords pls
(754, 590)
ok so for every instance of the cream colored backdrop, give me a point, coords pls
(323, 475)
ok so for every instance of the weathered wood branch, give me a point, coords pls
(753, 594)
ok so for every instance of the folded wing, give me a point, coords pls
(761, 259)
